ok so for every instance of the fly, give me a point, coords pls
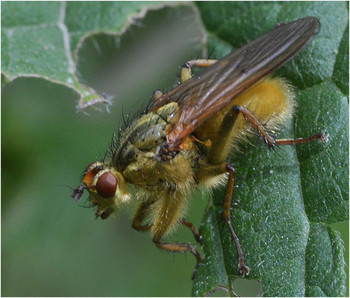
(185, 137)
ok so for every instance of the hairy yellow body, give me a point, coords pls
(271, 101)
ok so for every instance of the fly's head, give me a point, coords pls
(106, 186)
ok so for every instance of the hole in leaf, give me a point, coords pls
(246, 287)
(219, 292)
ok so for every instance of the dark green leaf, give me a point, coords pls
(327, 200)
(328, 278)
(282, 193)
(341, 71)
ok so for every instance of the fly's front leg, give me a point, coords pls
(194, 230)
(141, 214)
(144, 210)
(168, 212)
(179, 247)
(186, 68)
(270, 141)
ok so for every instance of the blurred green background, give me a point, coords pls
(52, 245)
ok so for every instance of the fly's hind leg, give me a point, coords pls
(216, 170)
(219, 152)
(270, 141)
(186, 72)
(242, 267)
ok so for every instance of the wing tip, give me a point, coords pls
(314, 22)
(310, 22)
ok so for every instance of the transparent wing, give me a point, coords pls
(202, 96)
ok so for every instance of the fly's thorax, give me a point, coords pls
(142, 157)
(144, 170)
(153, 174)
(144, 135)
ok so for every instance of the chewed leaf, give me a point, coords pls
(51, 32)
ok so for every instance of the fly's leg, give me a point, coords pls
(216, 170)
(157, 94)
(186, 68)
(175, 247)
(142, 212)
(270, 141)
(218, 153)
(242, 267)
(195, 232)
(168, 211)
(186, 72)
(179, 247)
(323, 137)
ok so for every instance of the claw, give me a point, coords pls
(243, 270)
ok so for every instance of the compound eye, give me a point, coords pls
(106, 185)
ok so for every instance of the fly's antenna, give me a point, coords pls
(78, 191)
(66, 185)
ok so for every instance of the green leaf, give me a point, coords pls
(341, 73)
(328, 277)
(328, 200)
(287, 197)
(39, 39)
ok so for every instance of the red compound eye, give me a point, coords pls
(106, 185)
